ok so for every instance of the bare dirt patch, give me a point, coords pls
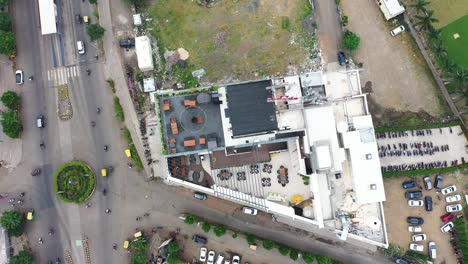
(236, 39)
(400, 78)
(397, 210)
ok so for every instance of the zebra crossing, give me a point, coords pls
(60, 76)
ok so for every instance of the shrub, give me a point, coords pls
(283, 250)
(344, 21)
(351, 40)
(4, 3)
(11, 124)
(5, 21)
(250, 239)
(294, 254)
(118, 109)
(190, 219)
(323, 259)
(10, 99)
(13, 222)
(285, 23)
(23, 257)
(95, 31)
(234, 235)
(173, 259)
(461, 229)
(136, 157)
(184, 75)
(83, 182)
(268, 244)
(173, 247)
(94, 2)
(206, 227)
(416, 256)
(219, 230)
(111, 84)
(309, 257)
(127, 136)
(393, 250)
(7, 42)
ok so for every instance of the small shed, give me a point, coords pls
(144, 53)
(137, 20)
(148, 85)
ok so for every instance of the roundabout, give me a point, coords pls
(74, 182)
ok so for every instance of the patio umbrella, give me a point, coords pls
(297, 198)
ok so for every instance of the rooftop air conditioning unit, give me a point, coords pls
(368, 156)
(373, 187)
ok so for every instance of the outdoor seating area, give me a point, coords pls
(283, 177)
(191, 124)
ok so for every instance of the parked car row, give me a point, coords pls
(210, 256)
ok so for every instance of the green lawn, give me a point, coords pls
(243, 39)
(457, 49)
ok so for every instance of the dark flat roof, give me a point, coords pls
(249, 111)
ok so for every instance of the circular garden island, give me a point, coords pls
(74, 182)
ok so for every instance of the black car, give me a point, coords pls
(413, 195)
(199, 239)
(438, 182)
(415, 220)
(127, 43)
(342, 58)
(400, 260)
(428, 201)
(408, 184)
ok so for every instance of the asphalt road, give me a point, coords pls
(129, 195)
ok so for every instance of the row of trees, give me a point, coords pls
(10, 119)
(13, 222)
(220, 230)
(453, 73)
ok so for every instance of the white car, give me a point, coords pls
(19, 77)
(453, 198)
(236, 259)
(415, 229)
(416, 247)
(415, 202)
(249, 210)
(203, 252)
(397, 31)
(432, 250)
(449, 189)
(446, 227)
(453, 208)
(211, 257)
(418, 237)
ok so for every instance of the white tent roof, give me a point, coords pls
(144, 53)
(47, 15)
(390, 8)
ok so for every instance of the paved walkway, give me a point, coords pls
(329, 31)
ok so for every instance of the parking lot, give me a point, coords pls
(420, 149)
(397, 210)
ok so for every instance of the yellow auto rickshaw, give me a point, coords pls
(86, 19)
(30, 215)
(104, 172)
(128, 153)
(126, 244)
(138, 234)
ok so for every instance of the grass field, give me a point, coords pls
(448, 11)
(242, 39)
(457, 49)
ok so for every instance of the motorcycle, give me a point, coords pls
(42, 145)
(98, 110)
(104, 192)
(88, 205)
(93, 123)
(106, 148)
(36, 172)
(51, 232)
(114, 246)
(108, 211)
(40, 240)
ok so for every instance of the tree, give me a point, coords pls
(425, 22)
(219, 230)
(137, 3)
(190, 219)
(206, 227)
(7, 42)
(283, 250)
(11, 124)
(10, 99)
(173, 247)
(434, 34)
(439, 50)
(13, 222)
(173, 259)
(323, 259)
(308, 257)
(23, 257)
(5, 21)
(294, 254)
(250, 239)
(420, 6)
(459, 78)
(94, 2)
(95, 31)
(268, 244)
(448, 65)
(4, 3)
(351, 40)
(139, 258)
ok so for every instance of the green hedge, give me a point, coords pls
(118, 109)
(413, 173)
(461, 229)
(406, 128)
(87, 182)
